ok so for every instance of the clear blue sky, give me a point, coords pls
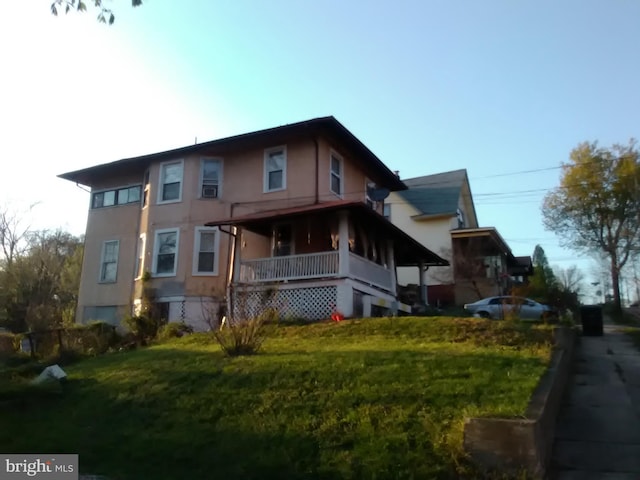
(496, 87)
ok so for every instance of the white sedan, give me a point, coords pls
(503, 307)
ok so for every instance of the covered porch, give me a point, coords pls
(346, 249)
(483, 264)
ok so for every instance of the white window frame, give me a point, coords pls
(201, 178)
(333, 154)
(140, 255)
(267, 152)
(156, 248)
(196, 251)
(161, 181)
(101, 277)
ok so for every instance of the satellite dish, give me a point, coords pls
(377, 194)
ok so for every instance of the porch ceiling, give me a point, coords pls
(491, 241)
(408, 251)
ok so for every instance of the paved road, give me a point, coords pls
(598, 428)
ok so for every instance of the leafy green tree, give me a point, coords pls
(104, 14)
(596, 208)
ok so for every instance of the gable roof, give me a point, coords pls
(327, 127)
(436, 194)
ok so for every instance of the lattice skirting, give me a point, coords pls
(310, 303)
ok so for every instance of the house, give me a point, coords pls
(295, 210)
(439, 210)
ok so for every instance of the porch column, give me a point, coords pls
(343, 243)
(391, 259)
(236, 255)
(423, 286)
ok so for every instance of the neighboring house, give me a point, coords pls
(438, 210)
(295, 210)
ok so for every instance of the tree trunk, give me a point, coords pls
(615, 281)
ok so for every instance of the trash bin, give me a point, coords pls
(591, 317)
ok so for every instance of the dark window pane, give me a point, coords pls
(134, 194)
(109, 198)
(206, 261)
(171, 191)
(165, 263)
(98, 200)
(275, 180)
(335, 184)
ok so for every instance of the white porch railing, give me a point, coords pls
(369, 272)
(313, 265)
(290, 267)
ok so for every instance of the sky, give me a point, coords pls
(504, 89)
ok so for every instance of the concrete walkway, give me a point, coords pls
(598, 427)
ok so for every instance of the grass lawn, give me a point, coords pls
(375, 398)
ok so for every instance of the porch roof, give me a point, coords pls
(408, 251)
(494, 238)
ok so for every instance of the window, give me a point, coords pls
(165, 252)
(210, 178)
(205, 261)
(109, 261)
(170, 182)
(140, 256)
(275, 169)
(121, 196)
(460, 218)
(336, 174)
(386, 211)
(282, 240)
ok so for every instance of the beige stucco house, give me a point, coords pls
(439, 210)
(295, 210)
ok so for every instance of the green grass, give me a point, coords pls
(375, 398)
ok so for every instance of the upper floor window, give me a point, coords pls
(336, 174)
(109, 261)
(205, 258)
(460, 218)
(210, 178)
(165, 252)
(120, 196)
(170, 182)
(275, 169)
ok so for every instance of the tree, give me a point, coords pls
(543, 278)
(105, 14)
(570, 279)
(596, 208)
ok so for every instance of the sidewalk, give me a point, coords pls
(598, 427)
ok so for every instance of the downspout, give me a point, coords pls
(231, 254)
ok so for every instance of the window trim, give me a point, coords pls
(156, 247)
(115, 191)
(196, 251)
(140, 256)
(161, 183)
(102, 261)
(201, 177)
(333, 154)
(265, 183)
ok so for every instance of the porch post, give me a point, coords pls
(343, 243)
(237, 255)
(391, 259)
(423, 286)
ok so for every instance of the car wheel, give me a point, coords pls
(484, 315)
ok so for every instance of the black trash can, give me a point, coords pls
(591, 317)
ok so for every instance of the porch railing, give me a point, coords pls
(369, 272)
(290, 267)
(313, 265)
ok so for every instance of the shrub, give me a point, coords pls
(92, 339)
(245, 336)
(144, 328)
(174, 330)
(7, 344)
